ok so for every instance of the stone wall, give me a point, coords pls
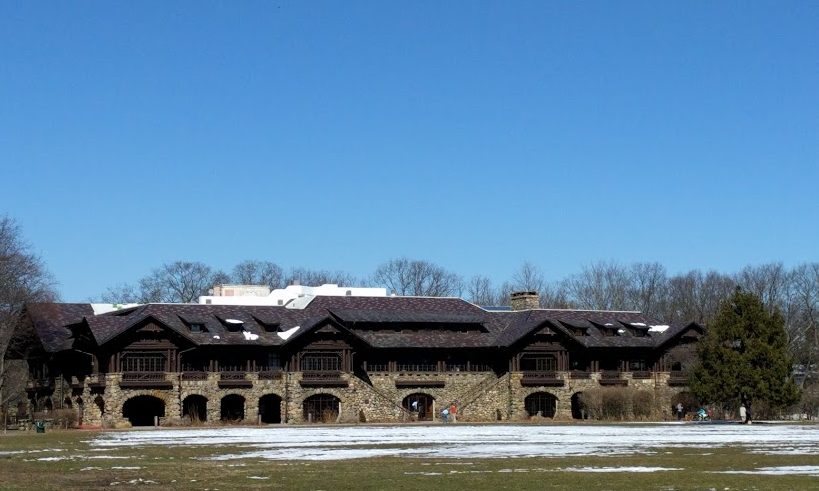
(480, 396)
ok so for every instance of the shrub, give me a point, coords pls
(591, 402)
(329, 416)
(615, 403)
(809, 405)
(642, 404)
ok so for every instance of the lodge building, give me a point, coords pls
(340, 358)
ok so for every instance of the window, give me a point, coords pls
(543, 363)
(320, 362)
(637, 366)
(197, 327)
(143, 362)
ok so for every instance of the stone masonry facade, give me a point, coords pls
(480, 396)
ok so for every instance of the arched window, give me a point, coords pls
(541, 404)
(233, 408)
(321, 408)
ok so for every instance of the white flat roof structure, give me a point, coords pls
(295, 296)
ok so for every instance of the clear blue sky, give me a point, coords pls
(477, 135)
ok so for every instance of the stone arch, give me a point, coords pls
(270, 409)
(578, 409)
(421, 404)
(232, 407)
(48, 405)
(80, 411)
(541, 404)
(67, 403)
(142, 409)
(100, 403)
(195, 407)
(321, 407)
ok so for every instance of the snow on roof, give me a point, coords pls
(286, 334)
(658, 328)
(250, 336)
(104, 308)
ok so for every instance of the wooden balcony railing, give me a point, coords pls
(403, 367)
(542, 378)
(157, 380)
(580, 374)
(329, 378)
(641, 374)
(612, 377)
(271, 375)
(194, 375)
(677, 379)
(234, 379)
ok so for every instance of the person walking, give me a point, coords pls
(743, 414)
(453, 412)
(680, 412)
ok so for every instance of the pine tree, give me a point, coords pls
(743, 357)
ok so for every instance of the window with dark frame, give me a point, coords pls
(143, 362)
(321, 362)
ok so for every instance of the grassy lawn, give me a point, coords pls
(76, 465)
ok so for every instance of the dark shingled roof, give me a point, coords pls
(50, 321)
(422, 322)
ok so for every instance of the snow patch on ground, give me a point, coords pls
(621, 469)
(803, 470)
(312, 443)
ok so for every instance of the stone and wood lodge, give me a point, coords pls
(337, 358)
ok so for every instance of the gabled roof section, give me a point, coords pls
(315, 323)
(50, 322)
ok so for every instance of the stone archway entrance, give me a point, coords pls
(195, 407)
(321, 408)
(540, 404)
(270, 409)
(233, 408)
(578, 409)
(141, 410)
(421, 404)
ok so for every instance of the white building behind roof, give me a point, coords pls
(293, 296)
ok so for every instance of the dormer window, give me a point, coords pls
(197, 327)
(233, 325)
(194, 324)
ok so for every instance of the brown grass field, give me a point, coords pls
(66, 460)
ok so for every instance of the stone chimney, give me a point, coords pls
(524, 300)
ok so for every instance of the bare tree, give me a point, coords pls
(480, 291)
(695, 296)
(648, 288)
(318, 277)
(528, 278)
(259, 273)
(177, 282)
(803, 331)
(23, 279)
(405, 276)
(122, 293)
(770, 282)
(602, 285)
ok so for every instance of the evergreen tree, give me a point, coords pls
(743, 357)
